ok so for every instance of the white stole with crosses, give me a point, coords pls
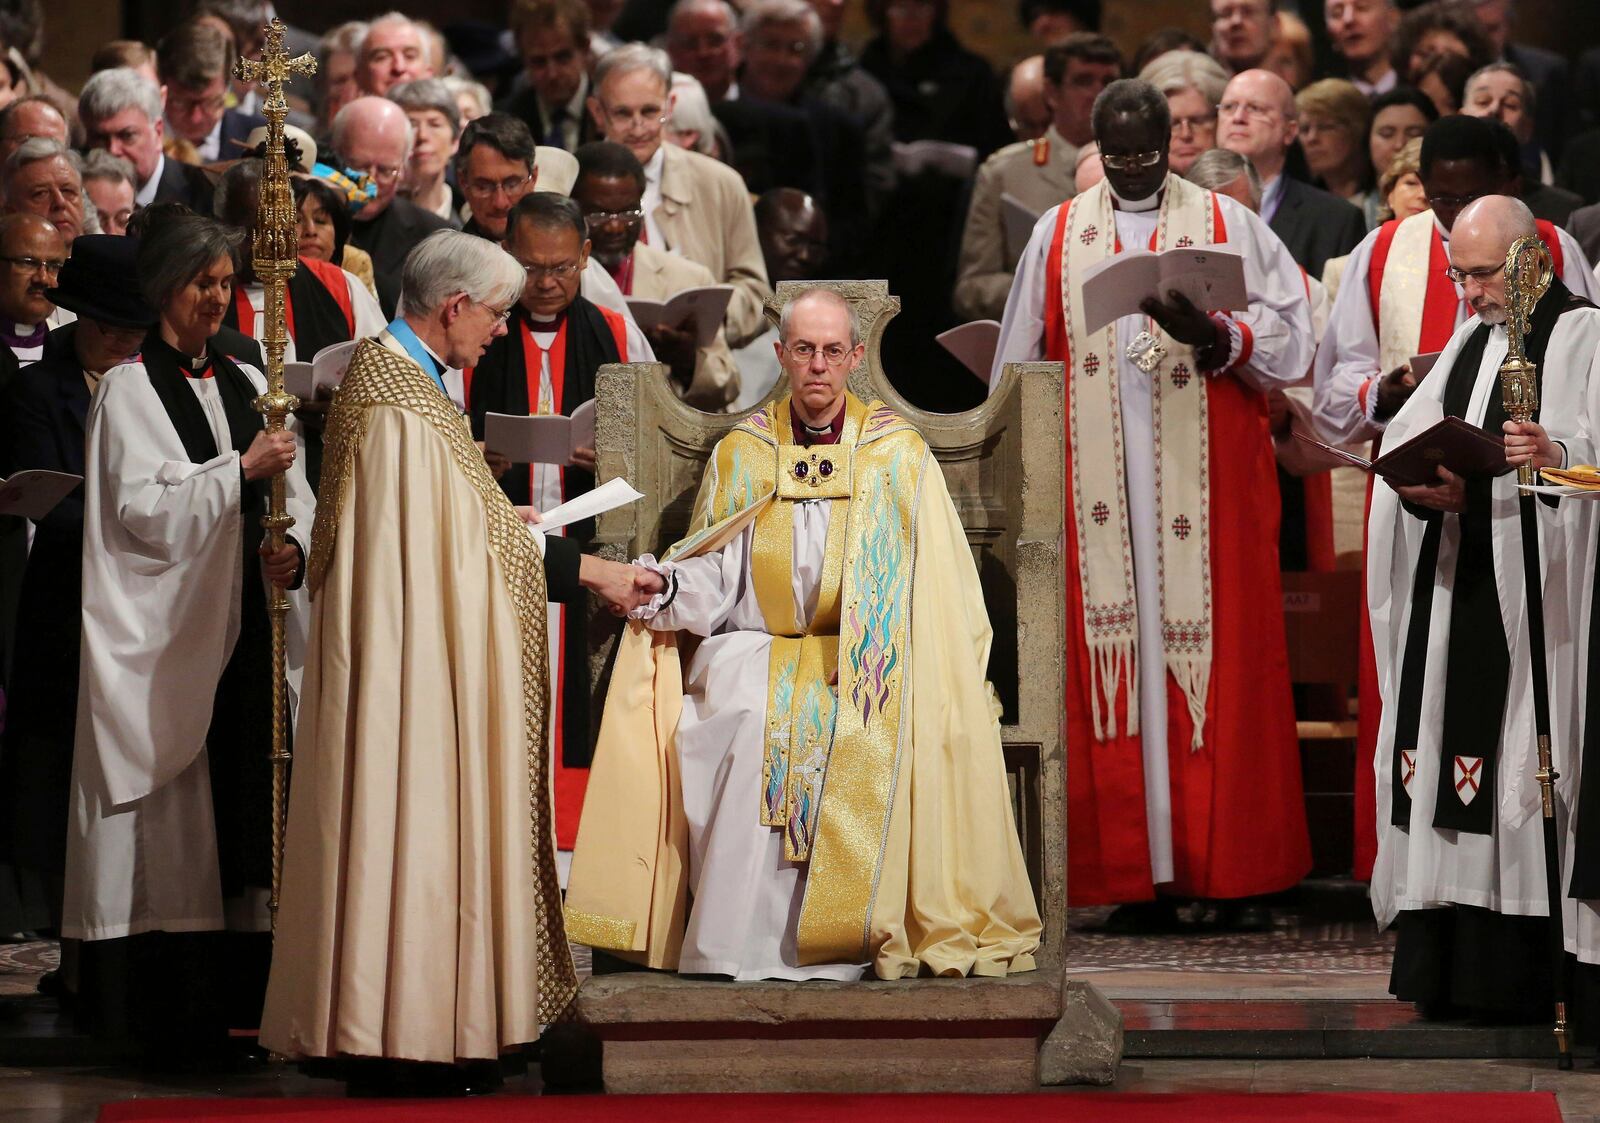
(1099, 489)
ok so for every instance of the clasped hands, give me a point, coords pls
(622, 585)
(1526, 442)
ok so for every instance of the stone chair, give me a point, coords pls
(1004, 465)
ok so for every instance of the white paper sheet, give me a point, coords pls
(607, 497)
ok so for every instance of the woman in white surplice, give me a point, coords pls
(169, 843)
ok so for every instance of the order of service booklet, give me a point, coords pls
(1212, 278)
(545, 438)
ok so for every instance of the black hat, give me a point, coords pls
(100, 281)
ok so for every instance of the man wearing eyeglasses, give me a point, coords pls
(693, 205)
(194, 61)
(1460, 835)
(1398, 302)
(121, 112)
(545, 362)
(419, 819)
(373, 135)
(1257, 119)
(1180, 723)
(32, 252)
(799, 775)
(610, 188)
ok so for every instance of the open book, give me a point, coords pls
(1019, 220)
(32, 494)
(324, 372)
(974, 344)
(1213, 279)
(1451, 443)
(705, 307)
(540, 439)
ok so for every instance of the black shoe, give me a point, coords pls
(1146, 918)
(1243, 916)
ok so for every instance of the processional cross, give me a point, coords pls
(273, 258)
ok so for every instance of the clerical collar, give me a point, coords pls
(1134, 206)
(544, 327)
(806, 435)
(21, 336)
(187, 364)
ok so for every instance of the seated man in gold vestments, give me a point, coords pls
(799, 772)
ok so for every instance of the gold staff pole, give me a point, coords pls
(273, 256)
(1528, 275)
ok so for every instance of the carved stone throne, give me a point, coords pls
(1003, 462)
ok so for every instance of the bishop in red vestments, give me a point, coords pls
(1183, 772)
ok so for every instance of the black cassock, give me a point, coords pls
(506, 381)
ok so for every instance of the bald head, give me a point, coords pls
(1026, 106)
(1497, 220)
(373, 135)
(1256, 119)
(1483, 232)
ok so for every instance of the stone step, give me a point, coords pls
(1309, 1029)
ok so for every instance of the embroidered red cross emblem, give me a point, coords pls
(1091, 365)
(1181, 375)
(1181, 526)
(1090, 233)
(1185, 242)
(1408, 767)
(1467, 770)
(1100, 513)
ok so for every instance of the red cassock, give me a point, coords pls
(1238, 809)
(1441, 308)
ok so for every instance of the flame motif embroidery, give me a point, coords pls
(880, 575)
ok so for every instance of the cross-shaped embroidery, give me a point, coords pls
(1100, 513)
(1090, 233)
(1408, 767)
(1181, 375)
(1185, 242)
(1181, 526)
(1468, 773)
(1091, 365)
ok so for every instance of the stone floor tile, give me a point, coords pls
(1392, 1076)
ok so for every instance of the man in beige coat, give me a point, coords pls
(1037, 173)
(609, 188)
(693, 206)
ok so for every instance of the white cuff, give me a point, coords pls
(647, 611)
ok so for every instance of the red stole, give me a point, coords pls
(1238, 813)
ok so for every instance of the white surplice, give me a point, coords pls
(1279, 318)
(1348, 355)
(163, 561)
(746, 897)
(1419, 866)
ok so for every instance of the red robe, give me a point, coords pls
(1238, 811)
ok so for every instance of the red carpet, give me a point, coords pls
(1102, 1107)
